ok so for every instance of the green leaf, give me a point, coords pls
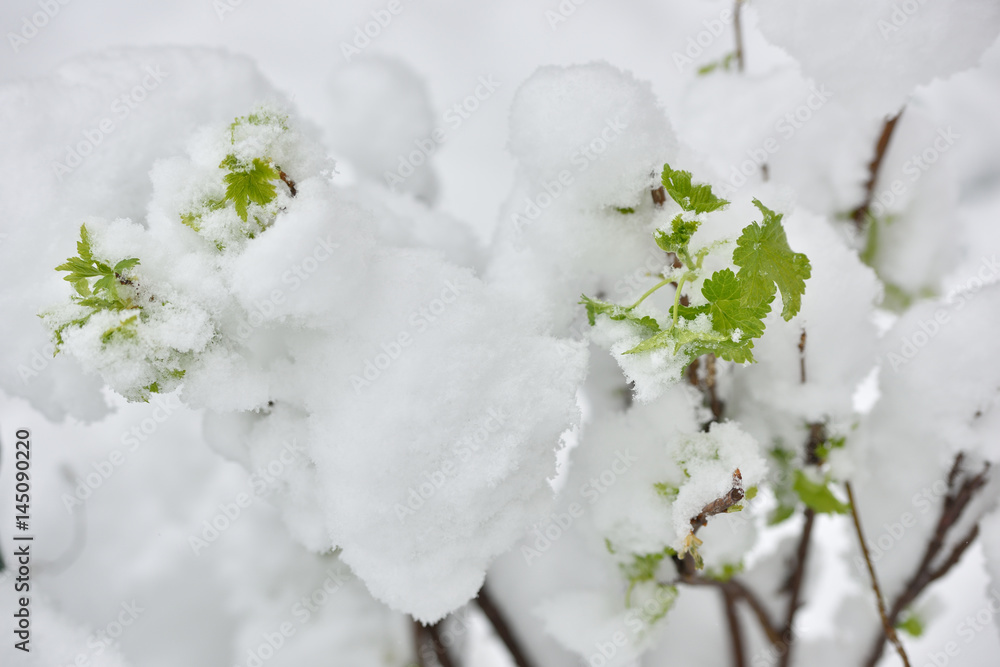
(740, 353)
(663, 339)
(766, 260)
(911, 625)
(694, 198)
(253, 185)
(79, 268)
(83, 245)
(57, 334)
(727, 572)
(103, 293)
(818, 496)
(259, 117)
(691, 312)
(728, 310)
(126, 329)
(105, 282)
(643, 568)
(724, 63)
(681, 232)
(126, 264)
(684, 341)
(828, 445)
(708, 68)
(597, 307)
(192, 220)
(667, 490)
(99, 303)
(82, 287)
(780, 513)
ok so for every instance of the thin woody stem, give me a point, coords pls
(502, 628)
(890, 630)
(961, 490)
(861, 214)
(738, 29)
(735, 631)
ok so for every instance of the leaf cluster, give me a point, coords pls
(737, 301)
(99, 286)
(817, 495)
(247, 181)
(249, 184)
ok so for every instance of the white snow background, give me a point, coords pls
(129, 542)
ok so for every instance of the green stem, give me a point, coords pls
(677, 299)
(650, 291)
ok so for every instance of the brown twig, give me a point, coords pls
(707, 386)
(502, 628)
(817, 436)
(289, 182)
(659, 195)
(440, 650)
(738, 591)
(794, 586)
(418, 642)
(961, 490)
(735, 631)
(737, 27)
(887, 625)
(426, 639)
(802, 357)
(720, 505)
(861, 213)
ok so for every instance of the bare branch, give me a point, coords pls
(502, 628)
(440, 650)
(738, 591)
(861, 213)
(802, 357)
(795, 585)
(720, 505)
(735, 631)
(887, 625)
(659, 195)
(289, 182)
(418, 642)
(961, 490)
(738, 29)
(707, 385)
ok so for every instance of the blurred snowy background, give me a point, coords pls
(116, 578)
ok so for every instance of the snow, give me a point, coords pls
(612, 133)
(382, 114)
(874, 54)
(378, 411)
(322, 348)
